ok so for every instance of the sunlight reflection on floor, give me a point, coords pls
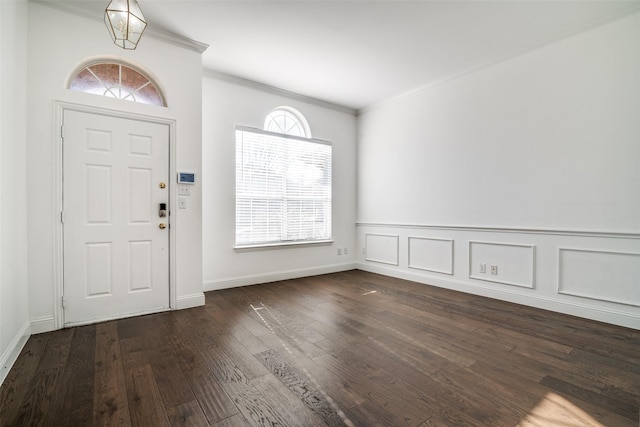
(555, 410)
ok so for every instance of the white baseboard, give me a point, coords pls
(43, 324)
(233, 282)
(586, 311)
(10, 355)
(189, 301)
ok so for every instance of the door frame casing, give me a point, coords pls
(58, 250)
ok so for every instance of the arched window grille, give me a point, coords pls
(289, 121)
(117, 80)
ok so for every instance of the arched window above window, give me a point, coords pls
(289, 121)
(117, 80)
(283, 183)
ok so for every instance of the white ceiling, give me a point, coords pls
(359, 53)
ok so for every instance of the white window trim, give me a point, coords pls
(283, 135)
(284, 243)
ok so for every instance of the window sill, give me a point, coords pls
(281, 245)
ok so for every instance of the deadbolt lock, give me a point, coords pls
(163, 185)
(162, 226)
(162, 211)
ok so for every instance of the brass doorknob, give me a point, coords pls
(162, 226)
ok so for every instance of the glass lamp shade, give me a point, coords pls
(125, 23)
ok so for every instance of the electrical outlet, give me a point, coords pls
(339, 251)
(344, 251)
(483, 268)
(494, 270)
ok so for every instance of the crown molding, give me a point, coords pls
(88, 10)
(218, 75)
(632, 9)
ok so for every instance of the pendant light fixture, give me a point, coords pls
(125, 23)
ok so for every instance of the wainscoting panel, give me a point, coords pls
(510, 264)
(382, 248)
(431, 254)
(600, 275)
(591, 274)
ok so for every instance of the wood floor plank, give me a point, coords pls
(187, 414)
(78, 378)
(413, 413)
(110, 404)
(234, 421)
(301, 386)
(555, 409)
(295, 411)
(16, 385)
(42, 404)
(490, 401)
(172, 384)
(57, 350)
(326, 381)
(133, 353)
(215, 403)
(626, 409)
(375, 413)
(144, 400)
(256, 408)
(252, 343)
(575, 371)
(223, 367)
(37, 406)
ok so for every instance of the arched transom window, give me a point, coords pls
(116, 80)
(289, 121)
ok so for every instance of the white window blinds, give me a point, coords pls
(283, 188)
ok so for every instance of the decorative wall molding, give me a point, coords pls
(522, 275)
(255, 279)
(10, 355)
(447, 268)
(600, 275)
(515, 230)
(515, 295)
(535, 267)
(382, 248)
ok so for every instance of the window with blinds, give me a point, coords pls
(283, 188)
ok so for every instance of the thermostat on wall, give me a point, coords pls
(186, 178)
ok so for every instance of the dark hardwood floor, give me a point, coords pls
(352, 348)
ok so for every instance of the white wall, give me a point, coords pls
(227, 104)
(58, 44)
(540, 151)
(14, 304)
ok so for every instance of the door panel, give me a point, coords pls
(116, 257)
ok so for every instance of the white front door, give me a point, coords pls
(116, 244)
